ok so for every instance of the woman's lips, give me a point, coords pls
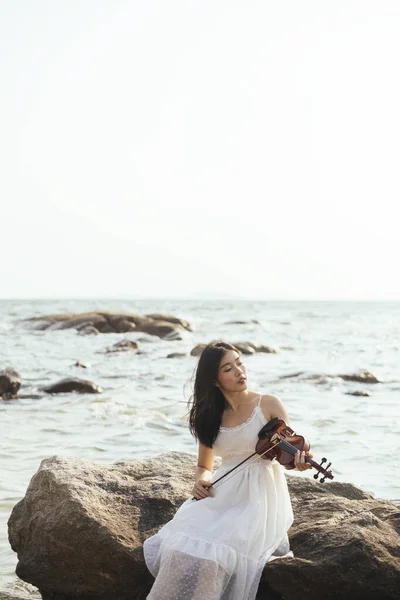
(242, 380)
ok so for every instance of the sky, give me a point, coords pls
(188, 148)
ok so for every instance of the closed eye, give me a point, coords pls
(239, 364)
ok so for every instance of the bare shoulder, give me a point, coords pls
(272, 407)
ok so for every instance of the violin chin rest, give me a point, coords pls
(268, 427)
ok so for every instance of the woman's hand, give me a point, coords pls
(202, 489)
(299, 460)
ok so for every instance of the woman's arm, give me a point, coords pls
(204, 471)
(273, 407)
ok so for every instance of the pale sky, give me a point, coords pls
(172, 148)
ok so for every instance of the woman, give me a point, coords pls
(218, 542)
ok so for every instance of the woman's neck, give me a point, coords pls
(236, 400)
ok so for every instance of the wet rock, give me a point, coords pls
(72, 384)
(362, 393)
(113, 322)
(244, 347)
(88, 330)
(123, 326)
(346, 543)
(10, 382)
(123, 346)
(28, 396)
(361, 377)
(197, 350)
(170, 319)
(77, 321)
(114, 317)
(148, 339)
(81, 364)
(262, 348)
(163, 330)
(177, 355)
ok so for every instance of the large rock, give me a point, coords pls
(80, 528)
(10, 382)
(163, 329)
(346, 544)
(362, 376)
(72, 384)
(197, 350)
(170, 319)
(163, 326)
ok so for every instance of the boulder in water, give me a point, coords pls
(361, 393)
(10, 382)
(163, 326)
(124, 346)
(72, 384)
(197, 350)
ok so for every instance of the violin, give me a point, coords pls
(278, 440)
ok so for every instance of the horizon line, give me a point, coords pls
(226, 297)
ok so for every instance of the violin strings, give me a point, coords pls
(249, 463)
(287, 445)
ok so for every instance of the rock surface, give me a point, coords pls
(72, 384)
(243, 347)
(123, 346)
(362, 393)
(171, 319)
(10, 382)
(360, 377)
(79, 532)
(197, 350)
(163, 326)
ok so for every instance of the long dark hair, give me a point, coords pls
(208, 402)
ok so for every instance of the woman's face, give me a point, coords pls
(231, 373)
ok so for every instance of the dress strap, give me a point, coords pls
(259, 401)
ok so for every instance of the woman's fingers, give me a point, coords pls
(309, 456)
(300, 460)
(201, 491)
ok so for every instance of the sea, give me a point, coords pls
(142, 410)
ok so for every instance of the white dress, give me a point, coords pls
(216, 548)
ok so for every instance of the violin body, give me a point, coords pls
(278, 440)
(276, 451)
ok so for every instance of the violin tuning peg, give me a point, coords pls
(316, 475)
(323, 461)
(322, 480)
